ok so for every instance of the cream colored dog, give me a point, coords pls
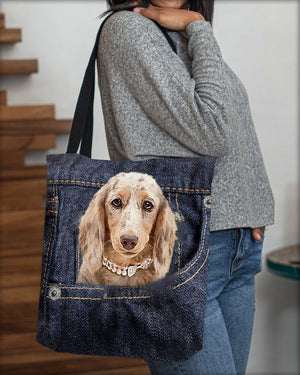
(127, 233)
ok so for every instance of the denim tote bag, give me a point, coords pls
(162, 320)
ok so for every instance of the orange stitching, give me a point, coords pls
(101, 183)
(202, 246)
(184, 282)
(78, 182)
(48, 249)
(53, 199)
(182, 189)
(178, 243)
(78, 258)
(177, 205)
(99, 299)
(138, 297)
(83, 298)
(179, 253)
(78, 287)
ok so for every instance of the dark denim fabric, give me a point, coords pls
(162, 320)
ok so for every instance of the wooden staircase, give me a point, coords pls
(22, 188)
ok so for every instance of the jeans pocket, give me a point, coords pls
(253, 256)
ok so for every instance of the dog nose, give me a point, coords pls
(128, 242)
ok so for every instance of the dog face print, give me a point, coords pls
(127, 233)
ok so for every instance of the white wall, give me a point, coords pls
(259, 40)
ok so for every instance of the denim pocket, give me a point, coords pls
(262, 235)
(189, 251)
(255, 260)
(160, 311)
(251, 257)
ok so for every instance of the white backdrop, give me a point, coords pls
(259, 40)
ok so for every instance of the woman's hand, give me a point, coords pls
(257, 232)
(170, 18)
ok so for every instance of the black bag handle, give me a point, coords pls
(82, 125)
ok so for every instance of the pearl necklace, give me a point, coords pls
(125, 271)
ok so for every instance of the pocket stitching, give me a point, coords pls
(202, 245)
(178, 242)
(50, 240)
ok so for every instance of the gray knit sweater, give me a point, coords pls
(160, 104)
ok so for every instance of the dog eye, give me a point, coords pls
(117, 203)
(148, 206)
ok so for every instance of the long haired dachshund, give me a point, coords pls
(127, 233)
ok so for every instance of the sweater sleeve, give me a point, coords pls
(190, 108)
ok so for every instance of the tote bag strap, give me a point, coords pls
(82, 125)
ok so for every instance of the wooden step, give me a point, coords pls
(19, 195)
(12, 148)
(65, 363)
(22, 228)
(28, 351)
(24, 66)
(17, 341)
(11, 160)
(27, 112)
(35, 126)
(27, 142)
(2, 21)
(28, 324)
(9, 313)
(75, 367)
(26, 263)
(26, 294)
(3, 98)
(28, 172)
(10, 36)
(21, 251)
(137, 370)
(21, 278)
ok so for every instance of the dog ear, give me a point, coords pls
(92, 238)
(164, 239)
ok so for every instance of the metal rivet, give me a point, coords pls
(179, 218)
(54, 293)
(207, 201)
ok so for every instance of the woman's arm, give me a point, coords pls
(170, 18)
(189, 109)
(178, 19)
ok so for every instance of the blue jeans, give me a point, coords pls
(234, 260)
